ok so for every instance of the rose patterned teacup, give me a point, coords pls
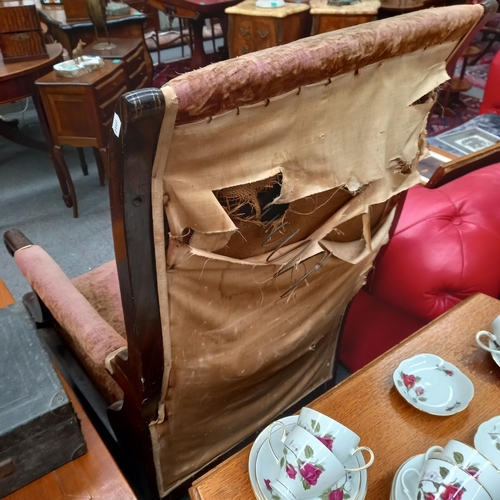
(495, 336)
(442, 480)
(340, 440)
(307, 468)
(472, 462)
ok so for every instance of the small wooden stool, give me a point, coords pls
(331, 17)
(253, 28)
(80, 112)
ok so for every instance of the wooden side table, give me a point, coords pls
(253, 28)
(330, 18)
(135, 56)
(80, 111)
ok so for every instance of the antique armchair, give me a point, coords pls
(249, 200)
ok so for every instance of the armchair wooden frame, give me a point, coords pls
(450, 171)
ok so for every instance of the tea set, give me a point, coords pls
(311, 456)
(308, 456)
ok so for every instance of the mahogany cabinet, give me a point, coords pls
(253, 28)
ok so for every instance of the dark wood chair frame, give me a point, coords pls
(138, 369)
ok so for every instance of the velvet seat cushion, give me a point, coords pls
(102, 289)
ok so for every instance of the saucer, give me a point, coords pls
(397, 491)
(432, 385)
(487, 440)
(262, 467)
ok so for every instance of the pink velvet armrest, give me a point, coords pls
(91, 338)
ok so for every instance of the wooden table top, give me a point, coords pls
(93, 476)
(14, 70)
(369, 404)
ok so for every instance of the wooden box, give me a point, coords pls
(39, 430)
(21, 38)
(76, 10)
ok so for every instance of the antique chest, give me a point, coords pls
(21, 37)
(39, 430)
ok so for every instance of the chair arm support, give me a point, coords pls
(15, 240)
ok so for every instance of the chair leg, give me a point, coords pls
(83, 163)
(213, 35)
(101, 158)
(69, 200)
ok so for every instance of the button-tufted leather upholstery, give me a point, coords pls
(491, 99)
(446, 246)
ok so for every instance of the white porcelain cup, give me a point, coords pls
(307, 468)
(340, 440)
(493, 335)
(441, 480)
(474, 463)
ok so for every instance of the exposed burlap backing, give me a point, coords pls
(244, 335)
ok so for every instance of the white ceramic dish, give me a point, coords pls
(495, 355)
(432, 385)
(487, 440)
(262, 467)
(397, 492)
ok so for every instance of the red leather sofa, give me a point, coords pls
(446, 246)
(491, 99)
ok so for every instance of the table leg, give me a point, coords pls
(83, 163)
(198, 57)
(224, 24)
(70, 199)
(101, 159)
(62, 172)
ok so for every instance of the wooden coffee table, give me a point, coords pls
(369, 404)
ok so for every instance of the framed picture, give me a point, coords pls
(469, 140)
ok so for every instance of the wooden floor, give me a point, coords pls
(6, 298)
(94, 476)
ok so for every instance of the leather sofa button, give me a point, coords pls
(456, 221)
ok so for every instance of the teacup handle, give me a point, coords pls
(483, 333)
(282, 438)
(370, 462)
(428, 453)
(405, 489)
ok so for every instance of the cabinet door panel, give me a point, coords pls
(264, 33)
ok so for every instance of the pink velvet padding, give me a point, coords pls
(91, 338)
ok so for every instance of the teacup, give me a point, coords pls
(340, 440)
(495, 336)
(440, 479)
(307, 468)
(471, 461)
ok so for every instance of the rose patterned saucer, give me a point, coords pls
(263, 468)
(432, 385)
(397, 492)
(487, 440)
